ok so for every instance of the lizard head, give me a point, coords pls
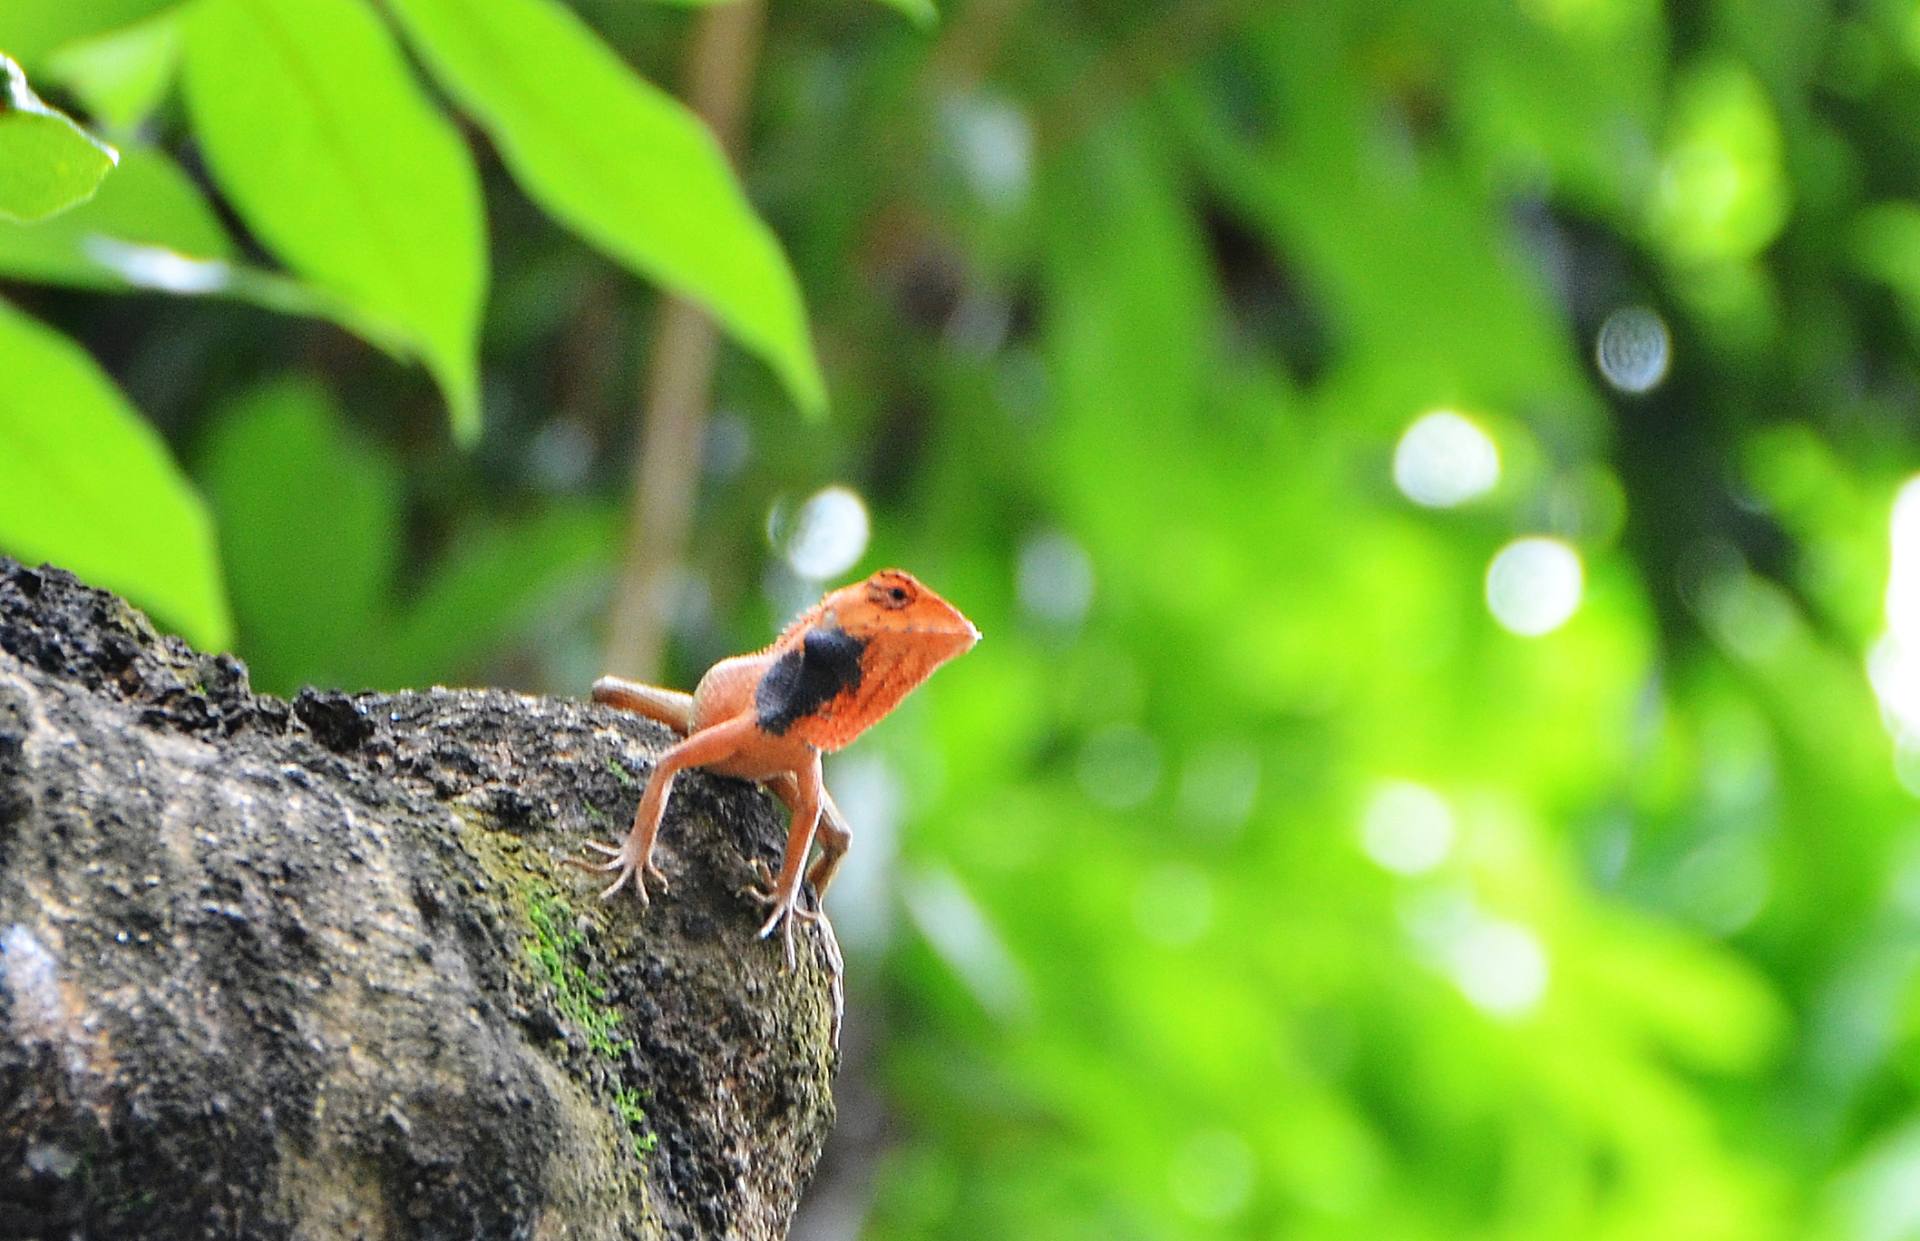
(859, 651)
(895, 613)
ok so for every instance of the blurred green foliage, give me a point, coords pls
(90, 485)
(1259, 875)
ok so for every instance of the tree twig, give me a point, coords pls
(666, 469)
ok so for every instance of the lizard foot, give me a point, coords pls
(629, 868)
(762, 890)
(785, 912)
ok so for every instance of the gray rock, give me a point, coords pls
(319, 969)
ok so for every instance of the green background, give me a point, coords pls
(1253, 878)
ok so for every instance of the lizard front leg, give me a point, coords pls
(802, 791)
(632, 859)
(833, 836)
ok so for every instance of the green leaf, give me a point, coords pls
(621, 163)
(315, 128)
(29, 29)
(309, 531)
(1885, 244)
(87, 484)
(313, 597)
(148, 202)
(47, 163)
(150, 228)
(494, 584)
(920, 12)
(121, 76)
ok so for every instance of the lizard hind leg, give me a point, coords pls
(834, 837)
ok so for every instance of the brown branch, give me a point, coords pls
(666, 469)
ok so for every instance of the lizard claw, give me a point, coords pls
(629, 868)
(763, 891)
(786, 910)
(782, 917)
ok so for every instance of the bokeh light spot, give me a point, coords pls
(1903, 575)
(1119, 767)
(1444, 459)
(1219, 785)
(1055, 579)
(1500, 966)
(562, 455)
(830, 534)
(1174, 905)
(1722, 192)
(1634, 349)
(1750, 616)
(1407, 828)
(1893, 664)
(992, 141)
(1212, 1174)
(1534, 585)
(1725, 883)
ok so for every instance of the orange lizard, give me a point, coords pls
(834, 672)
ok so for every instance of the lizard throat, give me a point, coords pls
(823, 665)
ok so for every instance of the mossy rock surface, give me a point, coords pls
(320, 968)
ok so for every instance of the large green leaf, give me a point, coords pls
(148, 202)
(85, 483)
(29, 29)
(621, 163)
(309, 531)
(150, 228)
(314, 126)
(120, 77)
(47, 163)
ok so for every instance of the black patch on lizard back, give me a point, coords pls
(826, 662)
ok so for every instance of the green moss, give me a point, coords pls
(621, 773)
(627, 1100)
(555, 947)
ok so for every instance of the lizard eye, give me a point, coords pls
(892, 595)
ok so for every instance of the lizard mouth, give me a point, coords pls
(942, 642)
(961, 633)
(948, 641)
